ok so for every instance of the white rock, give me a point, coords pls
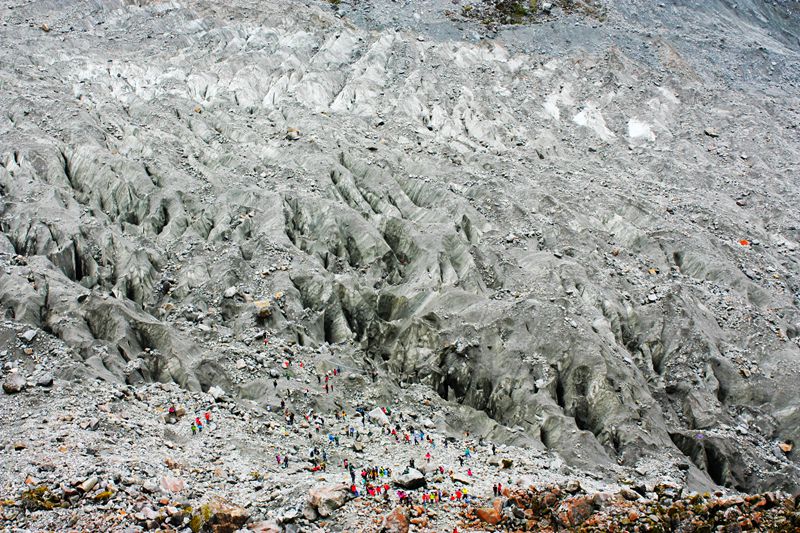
(29, 335)
(216, 392)
(230, 292)
(379, 417)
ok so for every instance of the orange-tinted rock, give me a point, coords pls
(172, 484)
(265, 527)
(489, 515)
(498, 505)
(421, 521)
(549, 499)
(395, 522)
(575, 511)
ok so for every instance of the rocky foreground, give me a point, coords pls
(93, 456)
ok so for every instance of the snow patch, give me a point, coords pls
(592, 118)
(551, 106)
(640, 130)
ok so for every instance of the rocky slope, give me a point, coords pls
(576, 237)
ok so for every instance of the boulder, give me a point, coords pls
(28, 335)
(225, 517)
(147, 513)
(172, 484)
(325, 499)
(289, 516)
(216, 393)
(230, 292)
(668, 491)
(428, 468)
(14, 383)
(414, 479)
(489, 515)
(575, 511)
(395, 522)
(420, 521)
(379, 417)
(263, 308)
(46, 380)
(601, 499)
(149, 487)
(264, 527)
(461, 478)
(309, 513)
(629, 494)
(89, 484)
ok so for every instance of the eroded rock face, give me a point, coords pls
(594, 249)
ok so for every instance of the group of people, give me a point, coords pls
(282, 462)
(375, 472)
(410, 435)
(430, 497)
(371, 490)
(372, 481)
(198, 424)
(329, 375)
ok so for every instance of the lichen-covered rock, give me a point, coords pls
(221, 516)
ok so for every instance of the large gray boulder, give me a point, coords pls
(325, 499)
(413, 479)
